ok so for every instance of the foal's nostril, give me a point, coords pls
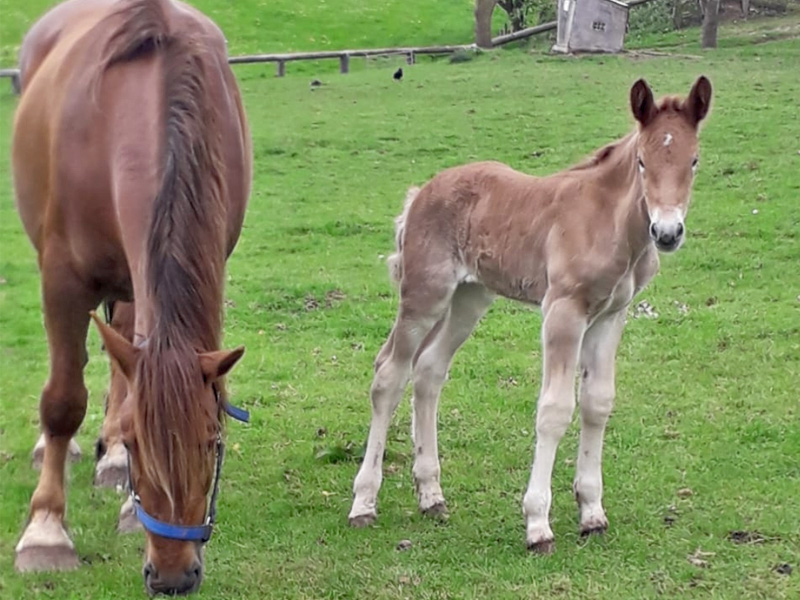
(653, 234)
(679, 230)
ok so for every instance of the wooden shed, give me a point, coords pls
(591, 26)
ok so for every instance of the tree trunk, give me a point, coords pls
(483, 22)
(745, 8)
(710, 23)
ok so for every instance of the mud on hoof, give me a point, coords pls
(361, 521)
(543, 547)
(73, 452)
(437, 511)
(594, 526)
(128, 522)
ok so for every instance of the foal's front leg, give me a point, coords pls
(562, 331)
(598, 353)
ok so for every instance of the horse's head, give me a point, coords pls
(667, 156)
(171, 425)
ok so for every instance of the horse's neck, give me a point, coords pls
(622, 176)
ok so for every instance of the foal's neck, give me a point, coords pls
(619, 174)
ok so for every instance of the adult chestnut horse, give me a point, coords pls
(580, 244)
(132, 168)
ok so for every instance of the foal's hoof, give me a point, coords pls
(128, 522)
(438, 511)
(595, 526)
(361, 521)
(73, 452)
(543, 547)
(112, 468)
(46, 558)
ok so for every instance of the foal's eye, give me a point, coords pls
(640, 162)
(695, 162)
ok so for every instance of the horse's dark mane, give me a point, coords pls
(185, 253)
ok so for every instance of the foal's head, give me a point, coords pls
(667, 156)
(171, 423)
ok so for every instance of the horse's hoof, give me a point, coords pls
(438, 511)
(128, 522)
(361, 521)
(112, 468)
(45, 545)
(46, 558)
(544, 547)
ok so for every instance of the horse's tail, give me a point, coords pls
(395, 261)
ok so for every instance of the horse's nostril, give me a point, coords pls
(653, 233)
(147, 572)
(680, 230)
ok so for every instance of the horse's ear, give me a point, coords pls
(217, 364)
(699, 100)
(643, 105)
(124, 354)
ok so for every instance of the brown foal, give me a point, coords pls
(580, 244)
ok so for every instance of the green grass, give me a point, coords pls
(707, 400)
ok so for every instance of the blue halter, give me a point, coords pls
(189, 533)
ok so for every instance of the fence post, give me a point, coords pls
(344, 63)
(281, 68)
(411, 59)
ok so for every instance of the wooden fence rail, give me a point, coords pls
(344, 55)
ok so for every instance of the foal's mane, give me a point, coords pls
(185, 253)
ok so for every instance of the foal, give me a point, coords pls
(580, 244)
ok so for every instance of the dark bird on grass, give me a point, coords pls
(398, 75)
(316, 83)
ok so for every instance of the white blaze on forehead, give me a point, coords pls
(667, 140)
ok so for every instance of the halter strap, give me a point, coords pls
(189, 533)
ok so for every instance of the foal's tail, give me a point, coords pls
(395, 261)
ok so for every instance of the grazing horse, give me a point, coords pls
(580, 244)
(132, 167)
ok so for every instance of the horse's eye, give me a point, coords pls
(640, 163)
(695, 162)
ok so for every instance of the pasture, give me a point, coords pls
(701, 453)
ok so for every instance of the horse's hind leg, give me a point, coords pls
(112, 458)
(598, 353)
(44, 544)
(37, 457)
(468, 305)
(421, 307)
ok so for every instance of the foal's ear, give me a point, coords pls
(643, 105)
(124, 354)
(699, 100)
(217, 364)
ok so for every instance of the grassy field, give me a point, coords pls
(705, 437)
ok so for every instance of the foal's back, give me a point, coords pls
(518, 234)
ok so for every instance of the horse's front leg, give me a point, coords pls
(45, 544)
(562, 330)
(598, 353)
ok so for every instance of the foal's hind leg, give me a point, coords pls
(468, 305)
(420, 309)
(44, 544)
(598, 353)
(112, 457)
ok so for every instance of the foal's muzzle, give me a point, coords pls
(668, 236)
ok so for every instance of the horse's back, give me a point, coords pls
(88, 137)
